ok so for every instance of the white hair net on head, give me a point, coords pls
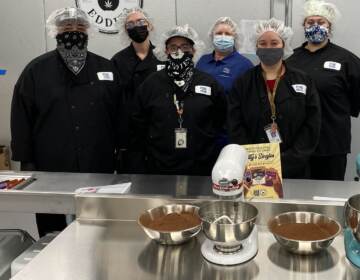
(277, 26)
(321, 8)
(234, 28)
(63, 16)
(184, 31)
(121, 21)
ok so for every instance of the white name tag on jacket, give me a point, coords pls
(332, 65)
(160, 67)
(300, 88)
(105, 76)
(203, 90)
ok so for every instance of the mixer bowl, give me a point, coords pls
(352, 215)
(222, 232)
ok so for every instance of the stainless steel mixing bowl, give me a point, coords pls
(300, 246)
(227, 233)
(169, 237)
(352, 215)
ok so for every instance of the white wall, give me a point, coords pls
(23, 36)
(201, 14)
(108, 44)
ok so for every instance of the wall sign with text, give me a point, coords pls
(104, 13)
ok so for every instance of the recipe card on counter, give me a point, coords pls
(263, 177)
(121, 188)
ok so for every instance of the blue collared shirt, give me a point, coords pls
(225, 71)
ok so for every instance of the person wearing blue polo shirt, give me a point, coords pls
(225, 63)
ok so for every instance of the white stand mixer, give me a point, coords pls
(228, 172)
(229, 224)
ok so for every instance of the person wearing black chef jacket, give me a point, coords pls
(64, 108)
(336, 73)
(276, 103)
(177, 112)
(134, 63)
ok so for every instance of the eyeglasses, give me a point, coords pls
(132, 24)
(183, 47)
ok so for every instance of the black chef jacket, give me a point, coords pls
(298, 116)
(154, 120)
(66, 122)
(336, 73)
(133, 71)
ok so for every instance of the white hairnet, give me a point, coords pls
(62, 16)
(277, 26)
(234, 28)
(321, 8)
(180, 31)
(124, 38)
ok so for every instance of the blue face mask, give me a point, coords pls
(224, 43)
(316, 34)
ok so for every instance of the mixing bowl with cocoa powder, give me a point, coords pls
(304, 232)
(171, 224)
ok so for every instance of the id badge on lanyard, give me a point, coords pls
(180, 132)
(272, 133)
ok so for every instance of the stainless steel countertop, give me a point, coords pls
(94, 247)
(54, 192)
(98, 250)
(178, 186)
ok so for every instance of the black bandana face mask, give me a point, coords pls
(72, 47)
(180, 68)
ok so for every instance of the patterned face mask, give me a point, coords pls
(316, 34)
(180, 68)
(72, 47)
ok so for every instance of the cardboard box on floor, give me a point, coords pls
(4, 158)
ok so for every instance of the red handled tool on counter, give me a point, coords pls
(10, 184)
